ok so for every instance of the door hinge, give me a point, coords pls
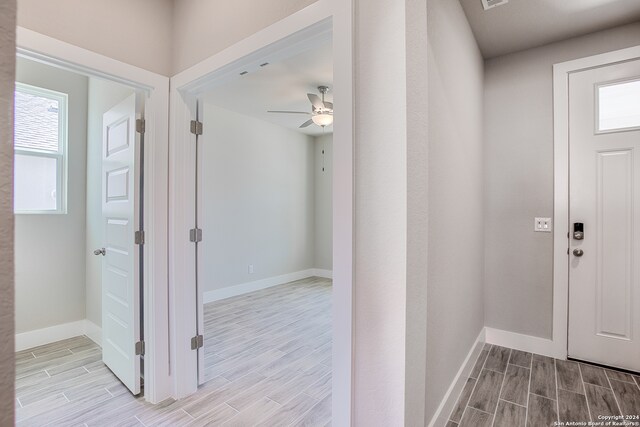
(196, 127)
(140, 348)
(139, 237)
(195, 235)
(197, 342)
(140, 125)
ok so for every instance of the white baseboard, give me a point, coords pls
(531, 344)
(55, 333)
(48, 335)
(93, 331)
(244, 288)
(325, 274)
(450, 398)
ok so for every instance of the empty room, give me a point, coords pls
(61, 239)
(264, 242)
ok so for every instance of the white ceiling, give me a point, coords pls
(523, 24)
(280, 86)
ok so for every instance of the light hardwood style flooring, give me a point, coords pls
(510, 388)
(267, 363)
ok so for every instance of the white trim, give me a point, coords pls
(38, 337)
(279, 39)
(35, 338)
(528, 343)
(342, 303)
(325, 274)
(39, 47)
(93, 332)
(561, 72)
(450, 398)
(256, 285)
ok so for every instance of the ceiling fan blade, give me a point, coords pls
(288, 112)
(315, 100)
(328, 105)
(307, 123)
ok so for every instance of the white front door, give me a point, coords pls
(120, 267)
(604, 267)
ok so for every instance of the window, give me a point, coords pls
(618, 106)
(40, 142)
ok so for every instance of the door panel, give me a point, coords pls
(614, 219)
(120, 268)
(604, 283)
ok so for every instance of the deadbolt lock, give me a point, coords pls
(578, 231)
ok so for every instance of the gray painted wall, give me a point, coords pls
(221, 23)
(103, 95)
(258, 202)
(518, 181)
(7, 79)
(50, 249)
(168, 39)
(136, 32)
(455, 311)
(323, 251)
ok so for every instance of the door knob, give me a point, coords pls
(578, 252)
(101, 251)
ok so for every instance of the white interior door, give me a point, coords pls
(604, 269)
(120, 267)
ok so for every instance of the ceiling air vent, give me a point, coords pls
(490, 4)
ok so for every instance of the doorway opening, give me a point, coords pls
(264, 256)
(79, 270)
(193, 112)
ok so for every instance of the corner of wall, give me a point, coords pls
(7, 82)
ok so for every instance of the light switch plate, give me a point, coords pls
(543, 225)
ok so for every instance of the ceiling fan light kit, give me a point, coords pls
(321, 110)
(322, 119)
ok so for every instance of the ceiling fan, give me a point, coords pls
(321, 110)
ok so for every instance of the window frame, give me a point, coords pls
(60, 155)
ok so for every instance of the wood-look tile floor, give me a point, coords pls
(510, 388)
(267, 363)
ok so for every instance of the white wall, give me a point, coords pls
(323, 258)
(202, 28)
(519, 178)
(380, 63)
(137, 32)
(103, 95)
(7, 79)
(50, 249)
(258, 200)
(455, 278)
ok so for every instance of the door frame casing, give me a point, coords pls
(45, 49)
(297, 28)
(561, 73)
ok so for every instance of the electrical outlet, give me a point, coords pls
(542, 225)
(250, 268)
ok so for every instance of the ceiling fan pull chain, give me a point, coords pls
(323, 152)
